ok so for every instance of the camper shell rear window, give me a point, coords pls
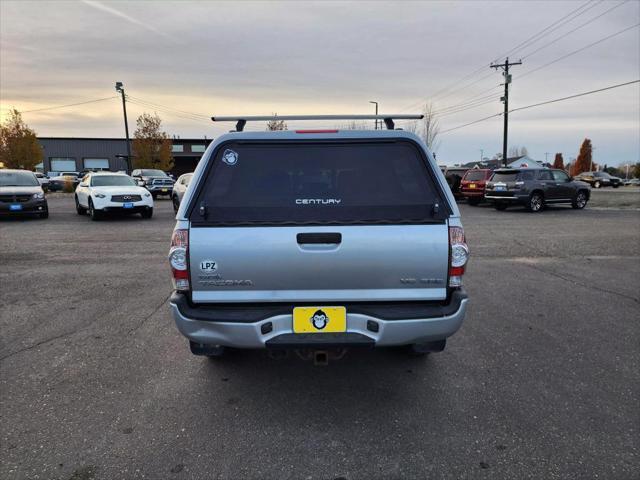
(318, 183)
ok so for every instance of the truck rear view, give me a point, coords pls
(318, 241)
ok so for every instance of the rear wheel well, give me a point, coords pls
(538, 191)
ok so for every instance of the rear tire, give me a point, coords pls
(148, 213)
(93, 213)
(500, 206)
(580, 200)
(536, 202)
(474, 201)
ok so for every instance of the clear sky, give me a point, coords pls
(225, 58)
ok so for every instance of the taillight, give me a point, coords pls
(458, 256)
(179, 259)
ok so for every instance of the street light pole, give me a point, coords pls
(376, 104)
(120, 88)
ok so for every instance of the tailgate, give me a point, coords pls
(318, 264)
(318, 221)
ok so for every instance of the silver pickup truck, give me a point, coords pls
(318, 240)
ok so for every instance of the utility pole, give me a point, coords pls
(507, 80)
(120, 88)
(376, 104)
(546, 157)
(481, 154)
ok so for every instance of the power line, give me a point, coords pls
(575, 96)
(579, 50)
(170, 112)
(69, 105)
(525, 43)
(208, 117)
(575, 29)
(554, 26)
(543, 103)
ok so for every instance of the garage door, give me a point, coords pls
(60, 164)
(96, 163)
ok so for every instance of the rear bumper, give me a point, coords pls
(364, 329)
(507, 198)
(473, 193)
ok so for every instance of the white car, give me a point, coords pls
(43, 180)
(103, 192)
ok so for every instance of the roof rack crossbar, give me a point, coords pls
(388, 119)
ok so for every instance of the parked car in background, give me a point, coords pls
(454, 178)
(107, 192)
(43, 180)
(318, 240)
(155, 181)
(599, 179)
(21, 194)
(632, 182)
(57, 184)
(473, 184)
(179, 188)
(534, 188)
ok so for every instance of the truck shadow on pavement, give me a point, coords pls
(365, 386)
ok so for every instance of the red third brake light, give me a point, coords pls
(458, 256)
(179, 259)
(316, 131)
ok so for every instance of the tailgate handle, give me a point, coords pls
(306, 238)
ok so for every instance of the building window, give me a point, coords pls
(96, 163)
(62, 164)
(198, 148)
(177, 148)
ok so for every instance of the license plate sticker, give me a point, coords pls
(14, 207)
(319, 319)
(127, 205)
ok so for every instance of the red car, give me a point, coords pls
(473, 184)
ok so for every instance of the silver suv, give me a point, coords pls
(317, 240)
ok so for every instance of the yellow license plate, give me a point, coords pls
(473, 185)
(319, 319)
(165, 190)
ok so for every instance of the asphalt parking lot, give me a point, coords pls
(542, 381)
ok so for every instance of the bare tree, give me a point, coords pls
(428, 128)
(355, 125)
(517, 151)
(275, 125)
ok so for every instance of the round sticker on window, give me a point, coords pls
(230, 157)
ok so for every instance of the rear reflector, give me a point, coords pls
(316, 131)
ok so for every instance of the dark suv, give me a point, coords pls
(534, 188)
(599, 179)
